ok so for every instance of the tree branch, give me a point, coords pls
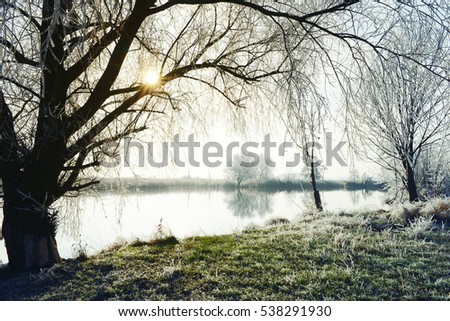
(80, 187)
(81, 65)
(20, 58)
(125, 90)
(273, 13)
(84, 141)
(18, 84)
(23, 12)
(96, 99)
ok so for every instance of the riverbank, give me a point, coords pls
(320, 256)
(269, 185)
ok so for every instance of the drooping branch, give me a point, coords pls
(217, 89)
(178, 37)
(377, 48)
(308, 19)
(75, 172)
(20, 57)
(9, 4)
(68, 182)
(21, 86)
(88, 137)
(233, 71)
(272, 12)
(79, 187)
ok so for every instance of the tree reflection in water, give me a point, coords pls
(249, 204)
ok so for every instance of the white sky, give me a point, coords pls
(219, 130)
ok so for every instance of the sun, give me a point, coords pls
(151, 77)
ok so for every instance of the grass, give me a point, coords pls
(321, 256)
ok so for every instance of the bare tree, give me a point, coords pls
(401, 112)
(242, 169)
(305, 111)
(304, 117)
(433, 170)
(72, 81)
(264, 170)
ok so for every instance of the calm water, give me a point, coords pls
(93, 223)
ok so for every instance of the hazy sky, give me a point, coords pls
(218, 129)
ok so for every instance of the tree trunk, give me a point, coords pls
(411, 184)
(29, 231)
(29, 227)
(317, 199)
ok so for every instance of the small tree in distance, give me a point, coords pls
(242, 170)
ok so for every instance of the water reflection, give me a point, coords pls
(361, 196)
(249, 204)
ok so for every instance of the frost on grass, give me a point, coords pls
(320, 256)
(436, 209)
(419, 227)
(162, 232)
(169, 271)
(161, 235)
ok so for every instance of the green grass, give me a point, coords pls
(319, 257)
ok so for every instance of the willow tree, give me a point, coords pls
(304, 115)
(400, 112)
(72, 81)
